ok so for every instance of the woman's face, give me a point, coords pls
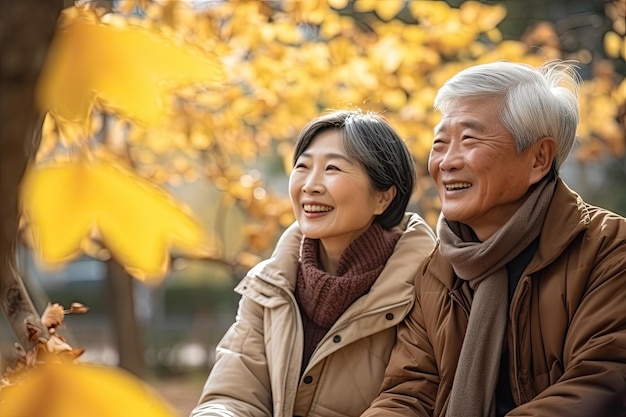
(331, 194)
(480, 177)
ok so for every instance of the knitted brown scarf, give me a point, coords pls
(483, 264)
(323, 297)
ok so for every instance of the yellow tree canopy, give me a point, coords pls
(178, 92)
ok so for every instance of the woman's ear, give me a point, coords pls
(544, 153)
(385, 198)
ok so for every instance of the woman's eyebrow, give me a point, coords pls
(330, 155)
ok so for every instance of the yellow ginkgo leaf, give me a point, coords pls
(614, 44)
(365, 5)
(338, 4)
(130, 69)
(66, 389)
(388, 9)
(394, 99)
(432, 12)
(485, 17)
(137, 222)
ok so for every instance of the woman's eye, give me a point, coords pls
(332, 168)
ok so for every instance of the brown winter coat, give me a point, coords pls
(566, 330)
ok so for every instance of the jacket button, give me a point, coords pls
(389, 316)
(337, 339)
(308, 379)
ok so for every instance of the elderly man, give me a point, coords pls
(521, 308)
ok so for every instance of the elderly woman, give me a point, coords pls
(317, 321)
(520, 310)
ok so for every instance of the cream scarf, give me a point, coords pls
(483, 264)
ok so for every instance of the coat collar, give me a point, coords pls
(567, 216)
(416, 242)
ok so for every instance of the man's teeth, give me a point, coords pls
(458, 186)
(316, 208)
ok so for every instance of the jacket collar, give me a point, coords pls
(281, 268)
(567, 216)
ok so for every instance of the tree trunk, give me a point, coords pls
(122, 309)
(26, 29)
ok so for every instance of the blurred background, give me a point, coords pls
(221, 150)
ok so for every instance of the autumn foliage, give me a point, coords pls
(163, 92)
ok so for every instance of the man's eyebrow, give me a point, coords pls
(474, 125)
(467, 124)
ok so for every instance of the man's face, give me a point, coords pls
(480, 177)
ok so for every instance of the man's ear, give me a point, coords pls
(385, 198)
(544, 153)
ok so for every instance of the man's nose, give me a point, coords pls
(451, 159)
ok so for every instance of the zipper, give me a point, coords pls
(454, 296)
(286, 382)
(297, 321)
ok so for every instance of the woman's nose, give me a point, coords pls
(312, 185)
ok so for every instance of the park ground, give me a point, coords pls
(181, 391)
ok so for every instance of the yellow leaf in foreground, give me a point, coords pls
(131, 69)
(54, 390)
(137, 221)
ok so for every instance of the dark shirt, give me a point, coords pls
(504, 392)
